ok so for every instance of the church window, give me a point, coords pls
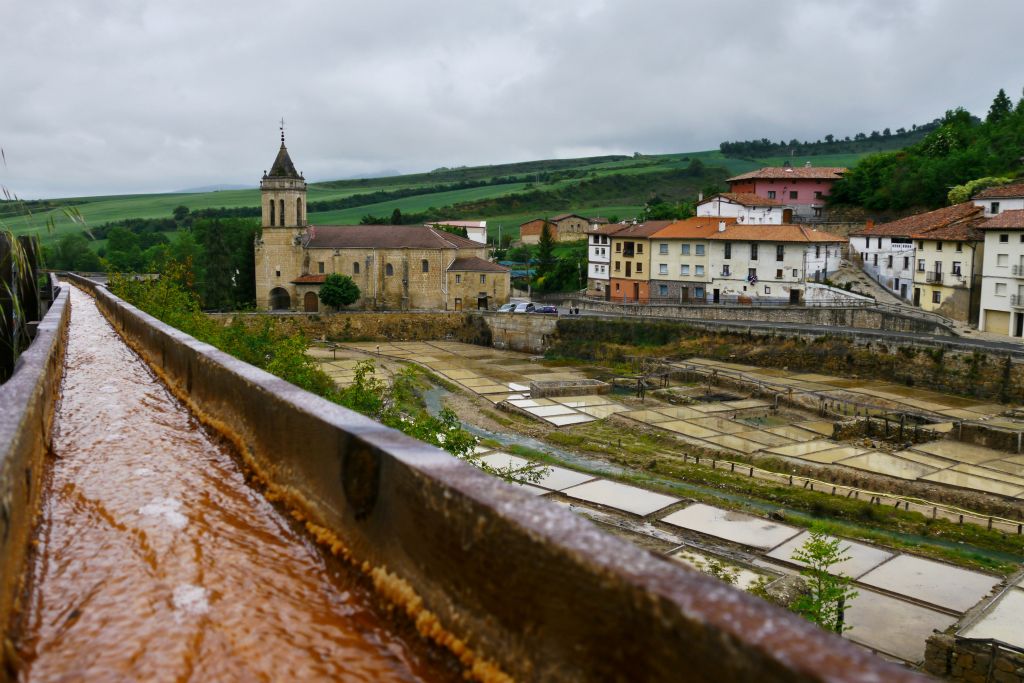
(319, 266)
(280, 218)
(458, 278)
(355, 268)
(272, 216)
(389, 270)
(483, 279)
(426, 265)
(298, 212)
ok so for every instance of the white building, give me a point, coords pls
(1002, 282)
(769, 262)
(745, 207)
(475, 230)
(888, 259)
(995, 200)
(599, 256)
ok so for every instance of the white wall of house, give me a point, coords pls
(599, 248)
(994, 207)
(777, 271)
(1002, 283)
(890, 261)
(726, 208)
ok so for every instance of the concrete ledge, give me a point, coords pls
(26, 413)
(527, 584)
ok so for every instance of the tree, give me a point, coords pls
(339, 291)
(180, 212)
(545, 249)
(396, 217)
(1000, 109)
(828, 594)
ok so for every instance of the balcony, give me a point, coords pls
(1018, 271)
(933, 278)
(1016, 301)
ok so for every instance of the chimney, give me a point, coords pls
(807, 164)
(721, 226)
(700, 197)
(870, 223)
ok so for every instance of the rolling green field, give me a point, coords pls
(549, 176)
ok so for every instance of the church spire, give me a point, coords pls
(283, 166)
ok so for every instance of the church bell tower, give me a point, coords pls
(279, 250)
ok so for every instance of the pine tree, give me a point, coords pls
(545, 249)
(1001, 107)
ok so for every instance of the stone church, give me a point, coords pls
(399, 267)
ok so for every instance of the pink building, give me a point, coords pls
(801, 188)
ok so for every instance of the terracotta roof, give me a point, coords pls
(598, 219)
(955, 221)
(745, 199)
(309, 279)
(1007, 220)
(606, 228)
(699, 227)
(802, 172)
(477, 264)
(1002, 191)
(384, 237)
(643, 229)
(283, 166)
(775, 233)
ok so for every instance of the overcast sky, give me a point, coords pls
(111, 97)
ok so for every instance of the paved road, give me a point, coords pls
(1013, 348)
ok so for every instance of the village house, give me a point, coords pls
(599, 249)
(995, 200)
(745, 207)
(932, 259)
(475, 230)
(1002, 286)
(680, 268)
(630, 281)
(400, 267)
(803, 188)
(769, 262)
(566, 227)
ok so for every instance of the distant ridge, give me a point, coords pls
(214, 188)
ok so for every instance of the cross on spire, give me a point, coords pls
(282, 130)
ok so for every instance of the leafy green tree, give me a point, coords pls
(180, 213)
(396, 217)
(1000, 109)
(828, 594)
(961, 193)
(339, 291)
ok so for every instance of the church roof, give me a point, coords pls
(385, 237)
(476, 265)
(283, 166)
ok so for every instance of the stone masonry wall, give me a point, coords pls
(972, 661)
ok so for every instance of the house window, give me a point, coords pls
(616, 266)
(879, 242)
(751, 274)
(355, 267)
(725, 270)
(728, 250)
(663, 290)
(618, 247)
(780, 252)
(792, 194)
(753, 251)
(663, 248)
(639, 247)
(796, 273)
(700, 250)
(771, 194)
(767, 289)
(959, 246)
(817, 254)
(778, 274)
(483, 279)
(698, 270)
(616, 286)
(639, 267)
(389, 270)
(920, 244)
(662, 269)
(278, 271)
(956, 268)
(874, 258)
(817, 212)
(817, 194)
(425, 265)
(1002, 260)
(684, 269)
(1000, 289)
(698, 292)
(1004, 238)
(458, 278)
(685, 250)
(889, 261)
(994, 208)
(920, 265)
(938, 246)
(906, 263)
(936, 297)
(319, 266)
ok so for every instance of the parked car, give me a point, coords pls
(525, 307)
(549, 310)
(506, 308)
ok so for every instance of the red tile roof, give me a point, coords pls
(955, 222)
(1002, 191)
(1007, 220)
(309, 279)
(775, 233)
(745, 199)
(384, 237)
(699, 227)
(801, 172)
(643, 229)
(477, 265)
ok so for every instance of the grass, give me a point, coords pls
(102, 209)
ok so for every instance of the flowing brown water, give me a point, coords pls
(156, 561)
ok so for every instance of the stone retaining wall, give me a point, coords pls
(972, 661)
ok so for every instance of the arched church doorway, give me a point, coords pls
(279, 299)
(311, 302)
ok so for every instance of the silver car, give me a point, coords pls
(525, 307)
